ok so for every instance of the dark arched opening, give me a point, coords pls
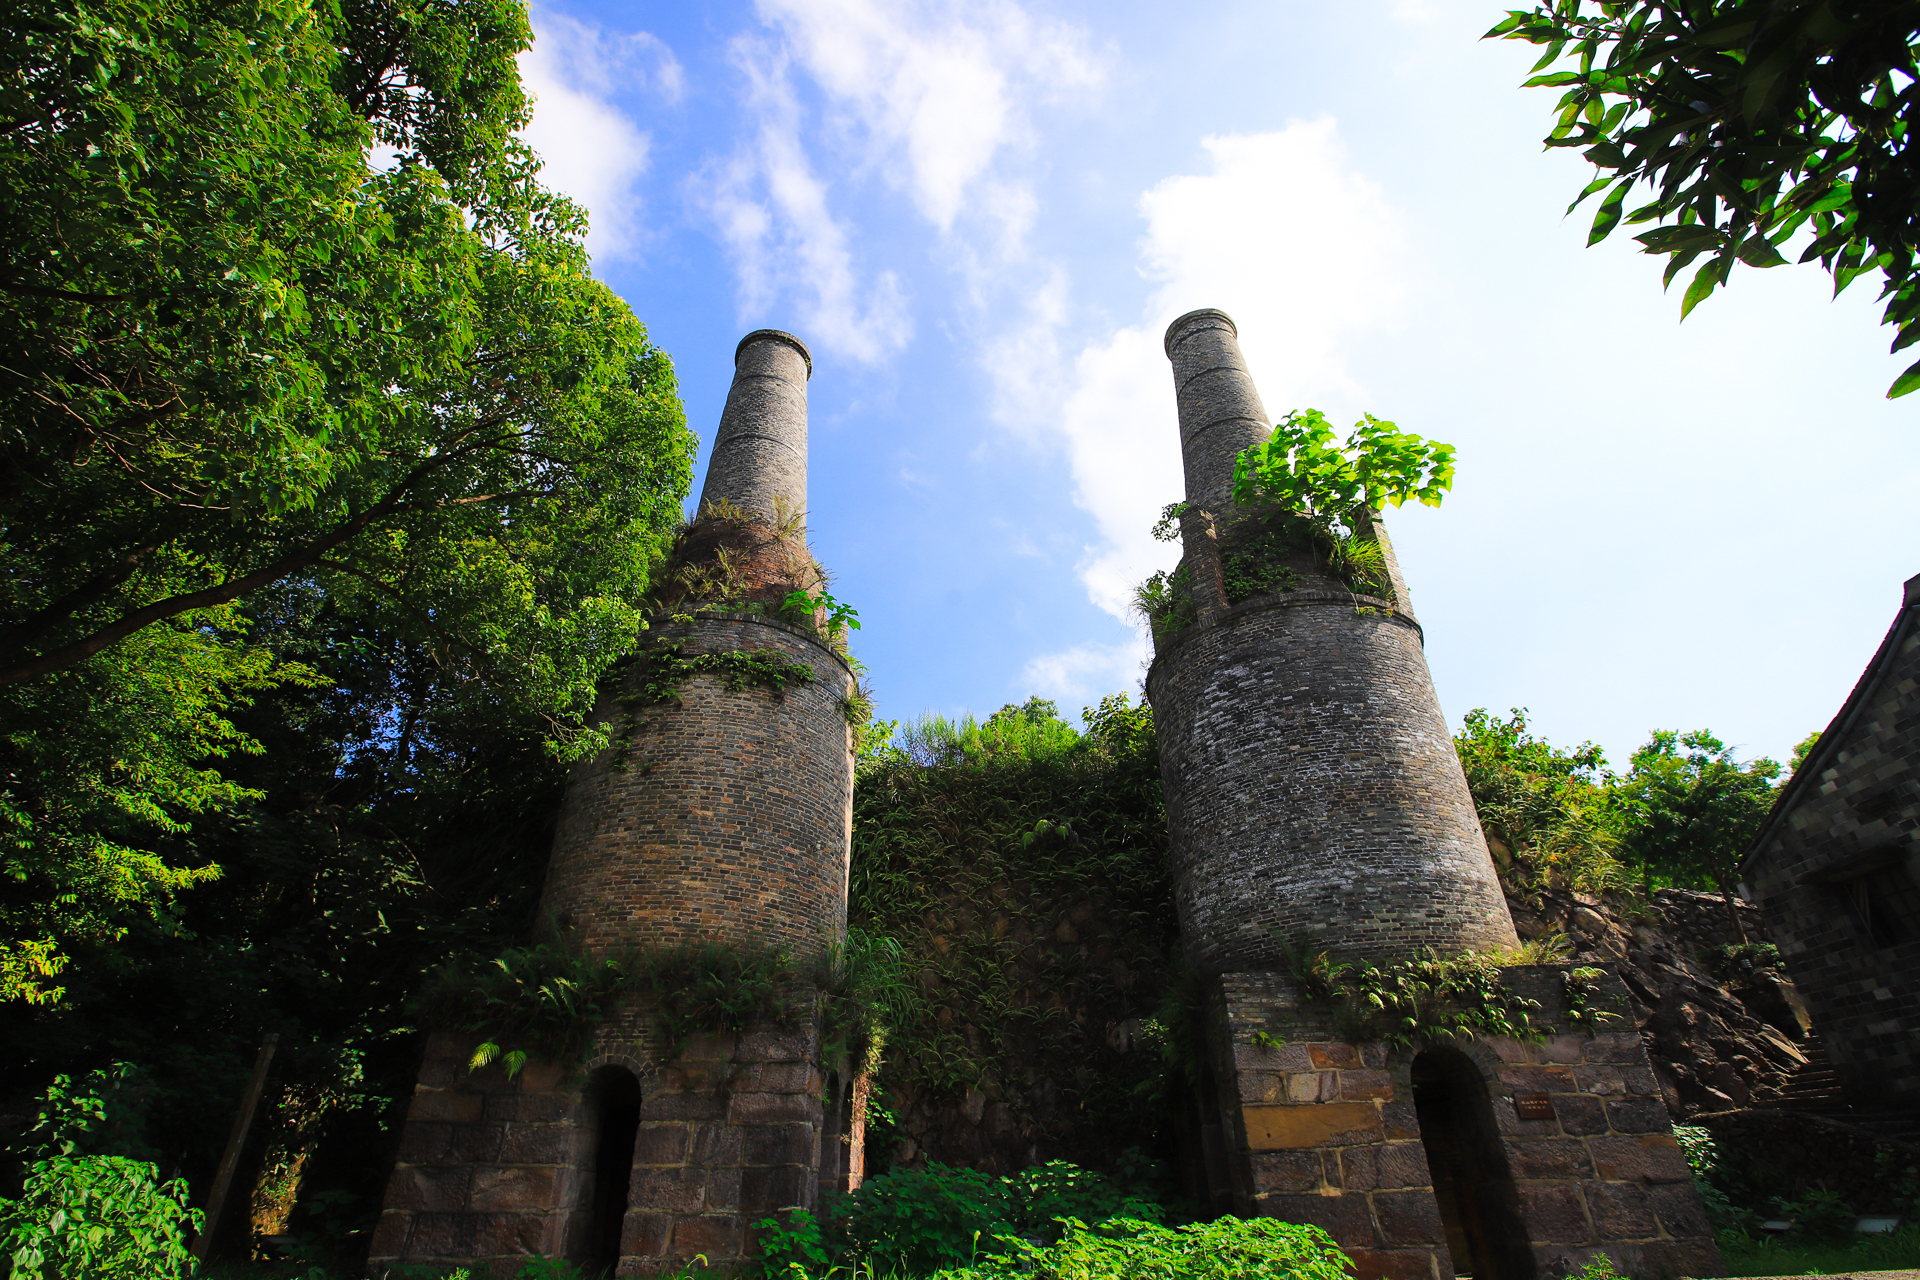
(613, 1107)
(1478, 1202)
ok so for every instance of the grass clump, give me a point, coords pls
(1129, 1249)
(1748, 1255)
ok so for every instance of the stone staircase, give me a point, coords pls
(1815, 1088)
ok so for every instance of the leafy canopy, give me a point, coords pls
(1689, 810)
(1303, 470)
(245, 363)
(238, 355)
(1747, 122)
(1545, 811)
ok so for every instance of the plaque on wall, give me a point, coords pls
(1533, 1106)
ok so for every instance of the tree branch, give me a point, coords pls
(66, 295)
(35, 624)
(225, 592)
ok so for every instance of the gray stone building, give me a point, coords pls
(1836, 873)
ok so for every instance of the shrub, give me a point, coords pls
(920, 1220)
(1130, 1249)
(88, 1211)
(1599, 1267)
(97, 1218)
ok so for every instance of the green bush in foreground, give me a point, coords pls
(921, 1220)
(89, 1209)
(1129, 1249)
(97, 1217)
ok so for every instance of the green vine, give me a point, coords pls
(1028, 892)
(541, 1001)
(670, 666)
(1423, 996)
(1255, 564)
(1583, 994)
(715, 990)
(544, 1001)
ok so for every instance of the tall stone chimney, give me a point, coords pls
(1313, 793)
(759, 460)
(1220, 411)
(720, 817)
(1314, 799)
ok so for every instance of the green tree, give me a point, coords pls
(1544, 810)
(1803, 749)
(240, 359)
(1747, 121)
(1688, 810)
(389, 820)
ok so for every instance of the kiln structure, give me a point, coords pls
(1315, 803)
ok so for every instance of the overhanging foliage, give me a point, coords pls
(1747, 121)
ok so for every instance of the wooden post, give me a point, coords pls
(230, 1159)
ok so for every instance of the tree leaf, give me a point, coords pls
(1758, 251)
(1608, 216)
(1906, 382)
(1703, 282)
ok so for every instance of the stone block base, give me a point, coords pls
(1412, 1159)
(734, 1129)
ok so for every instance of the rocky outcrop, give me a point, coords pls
(1717, 1043)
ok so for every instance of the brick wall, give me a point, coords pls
(1327, 1132)
(1313, 790)
(725, 817)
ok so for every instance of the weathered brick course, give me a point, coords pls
(725, 817)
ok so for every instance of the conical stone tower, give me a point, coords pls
(1313, 792)
(720, 818)
(1315, 803)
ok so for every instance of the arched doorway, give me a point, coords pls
(613, 1111)
(1471, 1180)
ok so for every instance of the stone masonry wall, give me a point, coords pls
(1854, 829)
(493, 1171)
(490, 1170)
(731, 1134)
(1327, 1132)
(725, 817)
(1313, 790)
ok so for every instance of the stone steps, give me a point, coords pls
(1813, 1087)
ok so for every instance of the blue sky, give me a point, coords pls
(981, 217)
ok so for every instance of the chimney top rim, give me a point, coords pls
(776, 335)
(1182, 322)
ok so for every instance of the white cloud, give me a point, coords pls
(1282, 235)
(591, 150)
(770, 209)
(940, 86)
(927, 96)
(1085, 672)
